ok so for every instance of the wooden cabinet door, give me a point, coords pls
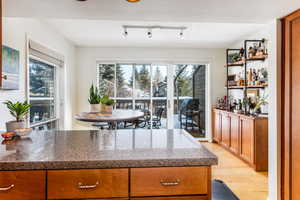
(174, 198)
(225, 130)
(247, 139)
(291, 107)
(22, 185)
(217, 126)
(234, 134)
(170, 181)
(88, 184)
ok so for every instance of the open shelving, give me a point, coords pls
(244, 63)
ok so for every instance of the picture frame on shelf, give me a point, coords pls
(253, 93)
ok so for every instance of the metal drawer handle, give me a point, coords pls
(86, 187)
(7, 188)
(164, 183)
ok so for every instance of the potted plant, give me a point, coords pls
(260, 102)
(94, 99)
(107, 105)
(18, 110)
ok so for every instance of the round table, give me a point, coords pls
(116, 116)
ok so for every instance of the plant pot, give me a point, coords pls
(11, 126)
(94, 108)
(106, 109)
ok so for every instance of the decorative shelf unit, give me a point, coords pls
(244, 63)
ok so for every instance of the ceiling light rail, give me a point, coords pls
(155, 27)
(150, 28)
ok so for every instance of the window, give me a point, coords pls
(136, 86)
(42, 95)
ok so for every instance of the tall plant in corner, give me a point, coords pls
(94, 99)
(19, 111)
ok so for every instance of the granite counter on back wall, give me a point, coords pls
(104, 149)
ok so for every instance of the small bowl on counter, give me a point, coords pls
(8, 135)
(17, 133)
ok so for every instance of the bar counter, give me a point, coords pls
(103, 149)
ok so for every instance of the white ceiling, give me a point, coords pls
(244, 11)
(96, 33)
(211, 23)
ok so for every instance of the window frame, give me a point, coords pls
(56, 98)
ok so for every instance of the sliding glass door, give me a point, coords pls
(144, 87)
(171, 96)
(190, 99)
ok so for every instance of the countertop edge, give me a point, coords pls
(107, 164)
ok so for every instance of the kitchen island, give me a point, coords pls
(117, 164)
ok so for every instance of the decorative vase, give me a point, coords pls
(94, 108)
(11, 126)
(106, 109)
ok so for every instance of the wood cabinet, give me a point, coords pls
(91, 184)
(217, 136)
(225, 130)
(169, 181)
(165, 183)
(244, 136)
(22, 185)
(247, 139)
(174, 198)
(234, 133)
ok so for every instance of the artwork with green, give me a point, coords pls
(10, 68)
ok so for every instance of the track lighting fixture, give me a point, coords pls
(125, 34)
(149, 33)
(181, 35)
(151, 28)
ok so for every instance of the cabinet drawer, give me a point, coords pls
(87, 184)
(174, 198)
(22, 185)
(170, 181)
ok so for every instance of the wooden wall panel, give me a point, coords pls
(291, 107)
(295, 115)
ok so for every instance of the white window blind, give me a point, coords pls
(44, 53)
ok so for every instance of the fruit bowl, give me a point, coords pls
(8, 135)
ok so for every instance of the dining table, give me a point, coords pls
(118, 115)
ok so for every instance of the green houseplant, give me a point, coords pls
(107, 105)
(260, 102)
(94, 99)
(19, 111)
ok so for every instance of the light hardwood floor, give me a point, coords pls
(238, 176)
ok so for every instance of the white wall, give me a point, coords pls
(272, 32)
(87, 58)
(14, 36)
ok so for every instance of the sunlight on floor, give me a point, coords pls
(238, 176)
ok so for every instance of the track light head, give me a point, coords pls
(181, 34)
(125, 33)
(149, 33)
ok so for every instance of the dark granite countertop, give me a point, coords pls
(104, 149)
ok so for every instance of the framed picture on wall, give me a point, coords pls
(253, 93)
(10, 74)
